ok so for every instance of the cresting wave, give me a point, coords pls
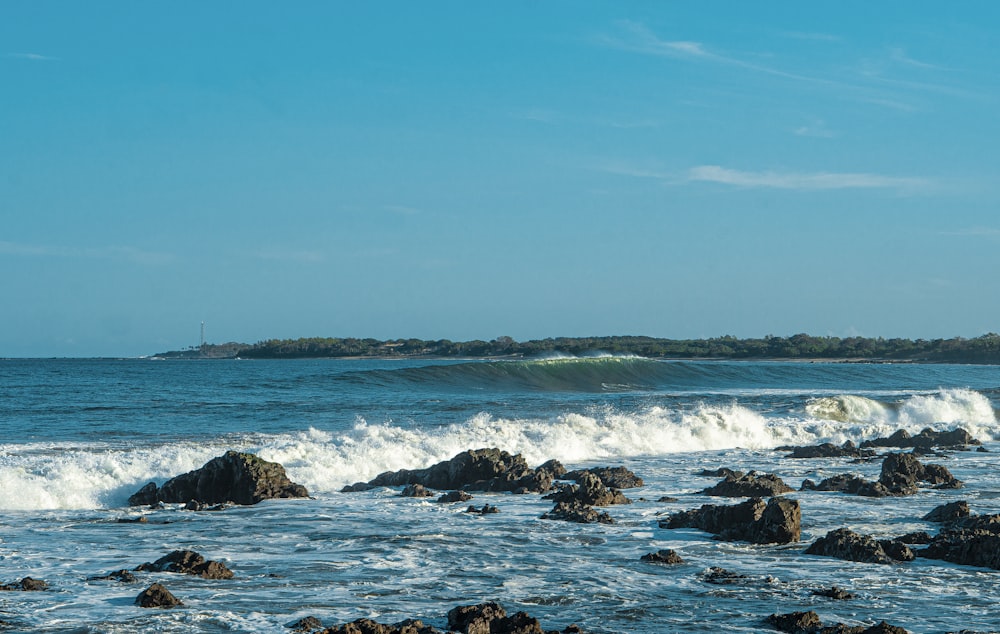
(96, 476)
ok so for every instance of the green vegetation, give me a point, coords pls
(984, 349)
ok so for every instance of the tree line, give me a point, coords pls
(984, 349)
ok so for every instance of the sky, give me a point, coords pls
(467, 170)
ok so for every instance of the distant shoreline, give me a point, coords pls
(984, 350)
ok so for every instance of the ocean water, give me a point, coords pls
(77, 437)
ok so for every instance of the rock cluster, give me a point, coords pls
(477, 470)
(26, 584)
(665, 556)
(485, 618)
(828, 450)
(778, 521)
(901, 474)
(752, 484)
(844, 543)
(972, 541)
(809, 623)
(236, 477)
(190, 563)
(926, 439)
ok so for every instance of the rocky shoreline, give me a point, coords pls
(766, 516)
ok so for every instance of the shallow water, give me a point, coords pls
(79, 436)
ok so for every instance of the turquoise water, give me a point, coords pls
(79, 436)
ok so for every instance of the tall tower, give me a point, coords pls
(202, 334)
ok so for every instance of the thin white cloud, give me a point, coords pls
(34, 57)
(111, 253)
(802, 180)
(816, 129)
(900, 56)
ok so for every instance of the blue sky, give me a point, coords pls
(469, 170)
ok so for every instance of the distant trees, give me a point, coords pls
(984, 349)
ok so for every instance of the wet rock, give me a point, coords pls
(778, 521)
(122, 576)
(918, 537)
(752, 484)
(828, 450)
(190, 563)
(416, 491)
(926, 439)
(26, 584)
(721, 576)
(236, 477)
(795, 622)
(577, 512)
(721, 472)
(665, 556)
(478, 470)
(949, 512)
(667, 498)
(486, 510)
(833, 593)
(305, 624)
(897, 550)
(157, 596)
(611, 477)
(454, 496)
(368, 626)
(142, 519)
(844, 543)
(358, 487)
(901, 473)
(589, 491)
(195, 505)
(491, 618)
(970, 541)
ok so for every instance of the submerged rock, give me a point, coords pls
(833, 592)
(478, 470)
(190, 563)
(236, 477)
(809, 623)
(454, 496)
(27, 584)
(779, 521)
(122, 576)
(752, 484)
(485, 510)
(157, 596)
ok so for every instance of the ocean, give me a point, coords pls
(80, 436)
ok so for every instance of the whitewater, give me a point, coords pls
(80, 436)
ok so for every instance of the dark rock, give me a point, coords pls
(721, 576)
(667, 498)
(752, 484)
(478, 470)
(26, 584)
(901, 472)
(982, 450)
(240, 478)
(486, 510)
(970, 541)
(416, 491)
(142, 519)
(123, 576)
(843, 543)
(828, 450)
(665, 556)
(777, 521)
(577, 512)
(833, 593)
(721, 472)
(146, 496)
(368, 626)
(611, 477)
(897, 550)
(926, 439)
(305, 624)
(358, 487)
(949, 512)
(795, 622)
(919, 537)
(156, 596)
(190, 563)
(590, 492)
(454, 496)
